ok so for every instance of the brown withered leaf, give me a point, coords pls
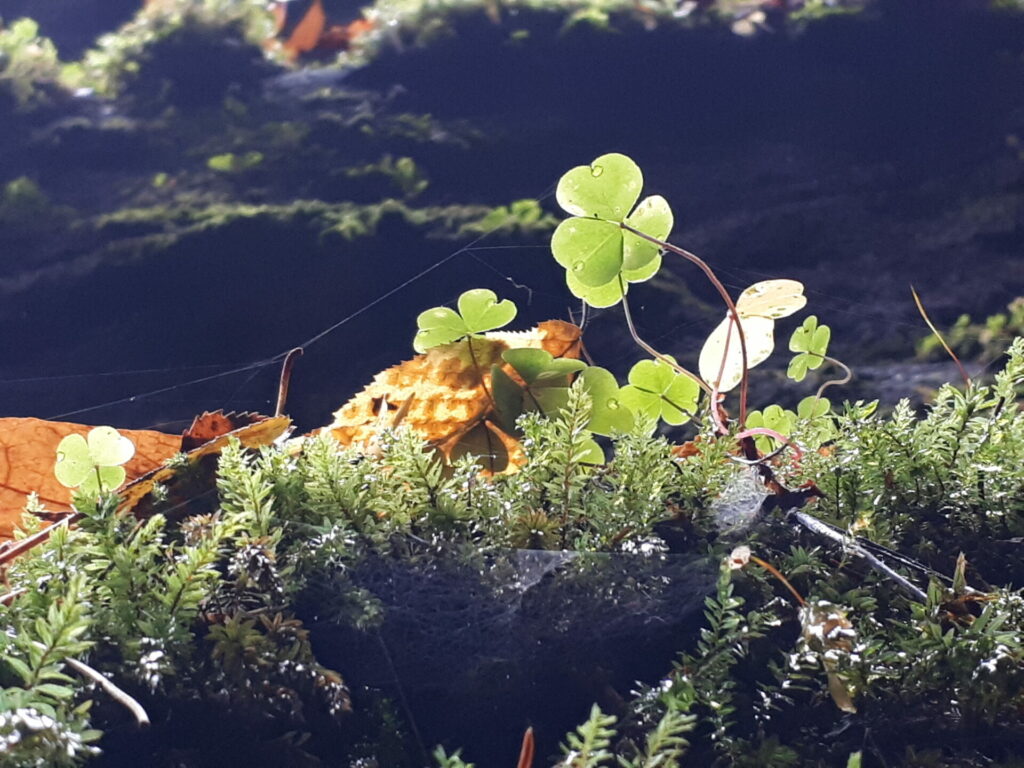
(207, 437)
(445, 394)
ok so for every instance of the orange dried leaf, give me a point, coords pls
(445, 393)
(211, 431)
(29, 451)
(307, 32)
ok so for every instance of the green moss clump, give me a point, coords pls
(29, 66)
(169, 52)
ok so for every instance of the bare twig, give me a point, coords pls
(122, 698)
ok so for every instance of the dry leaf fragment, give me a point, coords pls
(445, 393)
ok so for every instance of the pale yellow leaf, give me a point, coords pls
(771, 298)
(760, 341)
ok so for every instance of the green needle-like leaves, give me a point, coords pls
(658, 391)
(810, 340)
(479, 311)
(92, 464)
(600, 257)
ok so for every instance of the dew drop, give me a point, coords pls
(613, 404)
(578, 266)
(596, 170)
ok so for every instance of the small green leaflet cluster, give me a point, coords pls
(92, 464)
(810, 341)
(479, 311)
(658, 391)
(599, 256)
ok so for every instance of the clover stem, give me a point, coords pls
(775, 435)
(709, 273)
(847, 375)
(476, 367)
(655, 353)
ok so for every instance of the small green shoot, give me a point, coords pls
(93, 464)
(232, 163)
(810, 341)
(479, 311)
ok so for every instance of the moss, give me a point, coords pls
(182, 52)
(29, 67)
(344, 221)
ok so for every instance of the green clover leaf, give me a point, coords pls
(92, 464)
(775, 418)
(479, 311)
(606, 189)
(606, 295)
(598, 254)
(811, 342)
(482, 311)
(660, 392)
(589, 249)
(812, 407)
(546, 379)
(652, 217)
(609, 414)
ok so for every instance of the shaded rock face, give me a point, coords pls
(863, 155)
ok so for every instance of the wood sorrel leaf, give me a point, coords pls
(652, 217)
(758, 332)
(589, 249)
(437, 326)
(606, 189)
(606, 295)
(811, 341)
(608, 414)
(73, 461)
(109, 448)
(481, 310)
(658, 391)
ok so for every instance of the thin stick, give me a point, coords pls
(778, 575)
(18, 547)
(285, 380)
(942, 341)
(122, 698)
(815, 525)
